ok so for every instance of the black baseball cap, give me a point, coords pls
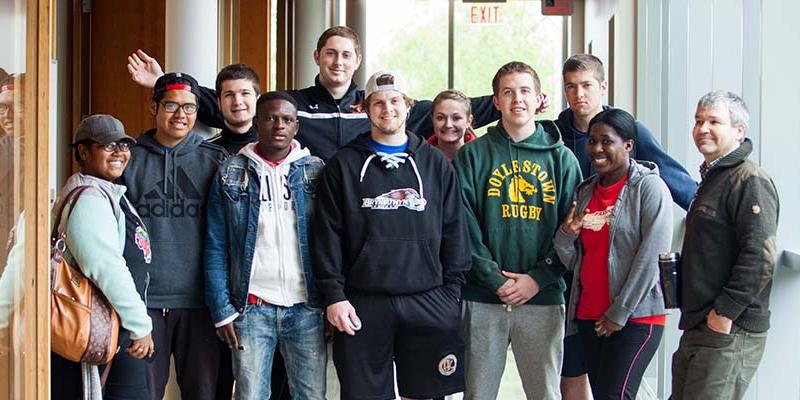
(175, 81)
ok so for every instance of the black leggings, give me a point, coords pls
(616, 363)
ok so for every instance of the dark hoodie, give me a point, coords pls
(388, 231)
(169, 190)
(516, 195)
(681, 185)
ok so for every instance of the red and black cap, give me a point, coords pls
(11, 82)
(175, 81)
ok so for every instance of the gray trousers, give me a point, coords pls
(536, 336)
(711, 365)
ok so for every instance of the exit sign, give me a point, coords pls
(488, 14)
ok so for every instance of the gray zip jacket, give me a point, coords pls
(640, 228)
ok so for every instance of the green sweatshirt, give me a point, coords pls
(515, 197)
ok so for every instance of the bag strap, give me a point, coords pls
(104, 376)
(70, 200)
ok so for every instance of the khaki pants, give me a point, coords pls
(711, 365)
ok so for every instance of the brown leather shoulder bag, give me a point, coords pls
(83, 325)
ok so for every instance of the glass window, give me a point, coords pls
(411, 36)
(15, 305)
(488, 35)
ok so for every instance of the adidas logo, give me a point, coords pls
(171, 209)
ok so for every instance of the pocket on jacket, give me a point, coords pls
(234, 193)
(705, 212)
(395, 266)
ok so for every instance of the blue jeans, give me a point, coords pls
(298, 332)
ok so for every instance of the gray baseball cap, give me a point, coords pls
(101, 128)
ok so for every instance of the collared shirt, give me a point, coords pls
(705, 167)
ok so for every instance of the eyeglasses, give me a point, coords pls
(117, 146)
(271, 119)
(6, 108)
(171, 107)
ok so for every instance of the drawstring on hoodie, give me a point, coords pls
(391, 161)
(166, 163)
(419, 179)
(174, 177)
(364, 167)
(167, 155)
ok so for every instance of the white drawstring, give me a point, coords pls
(364, 167)
(419, 178)
(392, 160)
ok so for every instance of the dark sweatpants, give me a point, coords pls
(202, 368)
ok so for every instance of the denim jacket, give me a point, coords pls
(233, 212)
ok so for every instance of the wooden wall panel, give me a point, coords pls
(117, 29)
(254, 27)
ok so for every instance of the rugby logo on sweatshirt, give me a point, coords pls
(517, 184)
(408, 198)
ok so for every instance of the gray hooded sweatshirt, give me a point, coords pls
(169, 189)
(639, 229)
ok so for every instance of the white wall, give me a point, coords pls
(12, 30)
(311, 20)
(695, 46)
(594, 35)
(683, 49)
(191, 43)
(779, 375)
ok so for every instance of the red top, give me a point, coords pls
(594, 298)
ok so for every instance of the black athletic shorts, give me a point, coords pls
(419, 332)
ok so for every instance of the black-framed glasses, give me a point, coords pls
(6, 108)
(171, 107)
(123, 146)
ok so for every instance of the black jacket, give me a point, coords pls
(233, 142)
(326, 124)
(729, 248)
(169, 190)
(388, 231)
